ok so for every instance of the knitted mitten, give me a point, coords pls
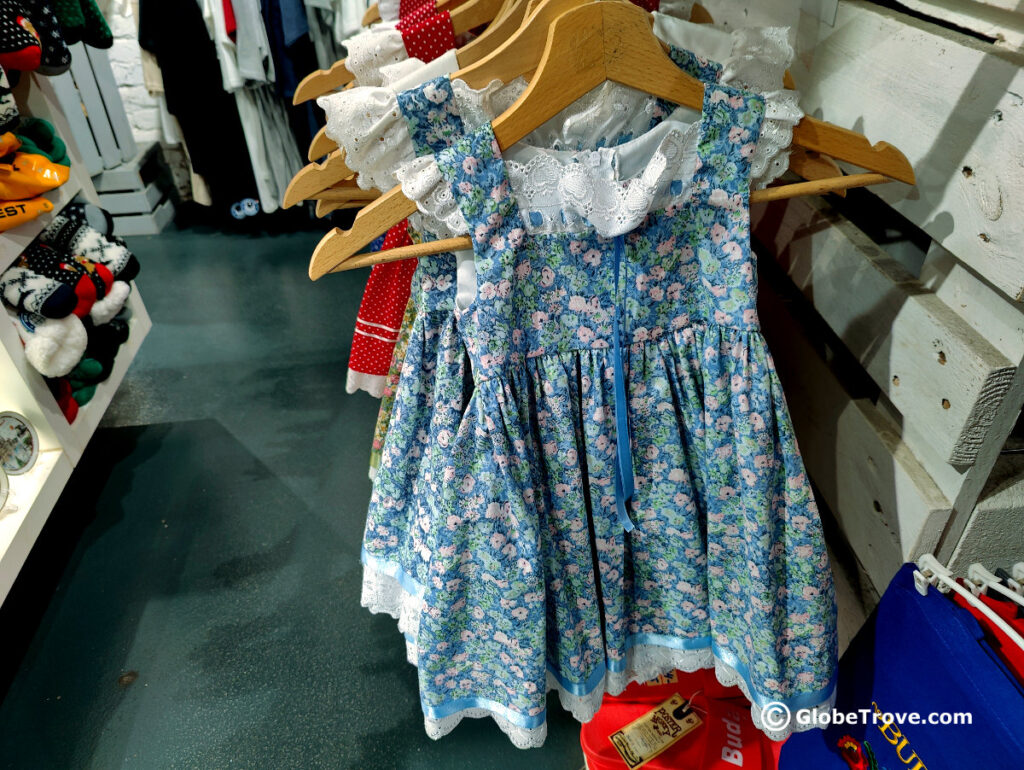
(56, 58)
(54, 346)
(105, 339)
(69, 232)
(110, 294)
(61, 390)
(41, 259)
(104, 310)
(19, 43)
(27, 291)
(8, 108)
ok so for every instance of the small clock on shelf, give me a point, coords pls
(19, 444)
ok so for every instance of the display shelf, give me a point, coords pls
(31, 499)
(14, 241)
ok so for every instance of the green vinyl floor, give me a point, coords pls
(193, 601)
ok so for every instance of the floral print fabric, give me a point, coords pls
(527, 576)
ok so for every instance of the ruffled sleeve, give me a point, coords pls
(758, 62)
(423, 184)
(372, 49)
(367, 123)
(755, 59)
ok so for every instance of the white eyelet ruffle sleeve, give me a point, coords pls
(367, 124)
(423, 184)
(755, 59)
(372, 49)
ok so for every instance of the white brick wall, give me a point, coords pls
(142, 109)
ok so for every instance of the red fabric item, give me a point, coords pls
(61, 389)
(380, 317)
(1008, 651)
(415, 16)
(648, 5)
(406, 7)
(229, 19)
(727, 739)
(430, 38)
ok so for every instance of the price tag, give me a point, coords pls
(645, 738)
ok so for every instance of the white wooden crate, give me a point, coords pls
(902, 429)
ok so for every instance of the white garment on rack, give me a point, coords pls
(273, 152)
(255, 59)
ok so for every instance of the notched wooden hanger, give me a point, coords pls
(315, 178)
(320, 146)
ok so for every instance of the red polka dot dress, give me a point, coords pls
(426, 35)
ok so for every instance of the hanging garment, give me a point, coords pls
(624, 494)
(177, 36)
(387, 290)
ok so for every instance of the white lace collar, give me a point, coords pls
(609, 190)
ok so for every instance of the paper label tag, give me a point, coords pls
(670, 678)
(645, 738)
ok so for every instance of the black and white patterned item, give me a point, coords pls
(70, 233)
(55, 58)
(24, 289)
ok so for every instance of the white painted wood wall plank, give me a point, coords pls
(999, 19)
(945, 379)
(952, 104)
(887, 505)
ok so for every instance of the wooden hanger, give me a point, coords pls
(372, 15)
(464, 18)
(321, 145)
(500, 35)
(315, 178)
(506, 22)
(586, 46)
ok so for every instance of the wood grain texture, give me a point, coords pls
(946, 379)
(952, 104)
(316, 177)
(886, 504)
(320, 82)
(320, 146)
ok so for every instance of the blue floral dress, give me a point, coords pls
(434, 386)
(623, 494)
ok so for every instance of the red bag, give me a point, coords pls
(727, 738)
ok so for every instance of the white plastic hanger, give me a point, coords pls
(930, 572)
(986, 581)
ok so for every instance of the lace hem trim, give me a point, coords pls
(383, 593)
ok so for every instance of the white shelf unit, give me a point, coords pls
(24, 390)
(28, 507)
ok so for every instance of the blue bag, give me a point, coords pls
(924, 655)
